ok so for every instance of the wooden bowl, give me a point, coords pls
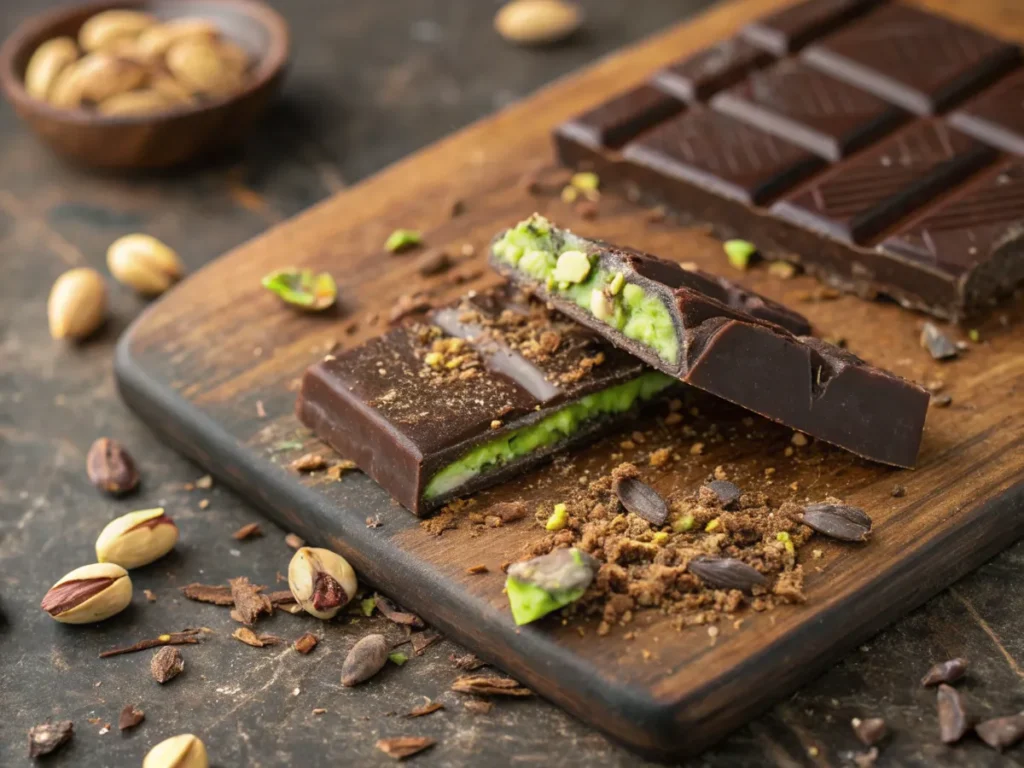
(167, 138)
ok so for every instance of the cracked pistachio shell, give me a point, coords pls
(144, 263)
(77, 304)
(80, 597)
(183, 751)
(47, 62)
(321, 581)
(137, 539)
(108, 27)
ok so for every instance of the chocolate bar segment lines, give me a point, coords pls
(997, 115)
(619, 119)
(797, 103)
(793, 27)
(706, 72)
(919, 60)
(723, 155)
(856, 201)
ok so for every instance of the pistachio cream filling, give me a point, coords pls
(558, 426)
(559, 260)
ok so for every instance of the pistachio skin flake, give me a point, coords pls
(544, 584)
(89, 594)
(322, 581)
(182, 751)
(403, 240)
(302, 288)
(137, 539)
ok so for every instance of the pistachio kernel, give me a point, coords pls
(137, 539)
(322, 581)
(89, 594)
(572, 267)
(183, 751)
(302, 288)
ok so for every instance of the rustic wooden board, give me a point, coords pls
(201, 362)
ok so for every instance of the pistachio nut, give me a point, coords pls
(537, 22)
(321, 581)
(169, 88)
(90, 593)
(49, 60)
(197, 64)
(77, 304)
(137, 539)
(234, 56)
(95, 78)
(107, 27)
(183, 751)
(144, 263)
(143, 102)
(154, 41)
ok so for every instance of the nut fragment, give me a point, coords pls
(137, 539)
(94, 78)
(144, 263)
(142, 102)
(155, 40)
(537, 22)
(107, 27)
(90, 593)
(77, 304)
(49, 60)
(166, 664)
(110, 467)
(321, 581)
(197, 64)
(365, 660)
(184, 751)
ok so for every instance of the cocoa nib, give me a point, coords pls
(166, 664)
(642, 500)
(1001, 732)
(130, 717)
(954, 720)
(945, 672)
(489, 685)
(725, 573)
(392, 613)
(720, 493)
(837, 521)
(110, 467)
(327, 592)
(47, 737)
(365, 660)
(870, 731)
(249, 603)
(401, 747)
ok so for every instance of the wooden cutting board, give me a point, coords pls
(204, 362)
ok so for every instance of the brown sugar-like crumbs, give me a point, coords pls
(444, 520)
(660, 458)
(250, 531)
(309, 462)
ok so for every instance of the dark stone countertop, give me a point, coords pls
(372, 82)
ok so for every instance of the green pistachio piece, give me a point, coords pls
(367, 606)
(572, 267)
(616, 284)
(398, 658)
(402, 240)
(739, 253)
(586, 180)
(537, 587)
(559, 518)
(302, 288)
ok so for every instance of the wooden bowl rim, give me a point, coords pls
(271, 63)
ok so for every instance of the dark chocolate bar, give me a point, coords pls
(488, 388)
(707, 333)
(831, 156)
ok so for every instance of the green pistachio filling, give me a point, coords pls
(551, 429)
(537, 587)
(560, 261)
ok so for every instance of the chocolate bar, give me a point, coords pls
(826, 133)
(705, 332)
(488, 388)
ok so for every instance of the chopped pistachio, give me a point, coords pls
(397, 657)
(537, 587)
(302, 288)
(559, 518)
(600, 305)
(660, 537)
(402, 240)
(367, 606)
(570, 194)
(712, 525)
(616, 284)
(586, 180)
(433, 359)
(974, 335)
(682, 524)
(572, 267)
(739, 253)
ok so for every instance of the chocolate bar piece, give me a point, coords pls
(828, 157)
(706, 333)
(490, 387)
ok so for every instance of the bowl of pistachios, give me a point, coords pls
(145, 84)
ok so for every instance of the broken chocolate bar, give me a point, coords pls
(488, 388)
(822, 135)
(708, 333)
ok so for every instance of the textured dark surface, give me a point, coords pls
(997, 116)
(403, 74)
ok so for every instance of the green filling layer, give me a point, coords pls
(534, 248)
(549, 430)
(529, 602)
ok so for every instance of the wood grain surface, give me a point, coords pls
(198, 362)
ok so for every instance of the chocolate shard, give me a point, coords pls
(489, 387)
(837, 521)
(709, 333)
(945, 672)
(642, 500)
(954, 719)
(1001, 732)
(726, 573)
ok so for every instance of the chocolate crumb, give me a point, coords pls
(433, 262)
(130, 717)
(309, 462)
(938, 344)
(941, 401)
